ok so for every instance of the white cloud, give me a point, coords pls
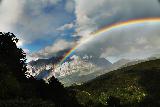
(15, 13)
(66, 27)
(54, 48)
(70, 6)
(40, 19)
(20, 43)
(27, 51)
(10, 11)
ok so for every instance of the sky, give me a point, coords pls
(45, 27)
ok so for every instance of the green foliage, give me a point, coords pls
(127, 95)
(84, 97)
(134, 86)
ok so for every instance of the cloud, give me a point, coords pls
(94, 14)
(20, 43)
(136, 41)
(46, 2)
(40, 19)
(70, 6)
(26, 51)
(54, 48)
(10, 10)
(66, 27)
(35, 20)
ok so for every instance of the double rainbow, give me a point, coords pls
(109, 28)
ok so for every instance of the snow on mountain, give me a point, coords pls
(71, 70)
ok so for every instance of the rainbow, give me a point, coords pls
(106, 29)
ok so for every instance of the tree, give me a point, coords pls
(113, 101)
(11, 56)
(59, 95)
(12, 66)
(55, 92)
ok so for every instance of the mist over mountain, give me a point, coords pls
(52, 60)
(74, 70)
(100, 62)
(120, 63)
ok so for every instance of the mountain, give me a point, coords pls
(119, 64)
(100, 62)
(134, 86)
(75, 70)
(42, 62)
(52, 60)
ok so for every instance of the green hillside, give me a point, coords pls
(134, 86)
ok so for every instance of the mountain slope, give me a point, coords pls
(135, 86)
(100, 62)
(75, 70)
